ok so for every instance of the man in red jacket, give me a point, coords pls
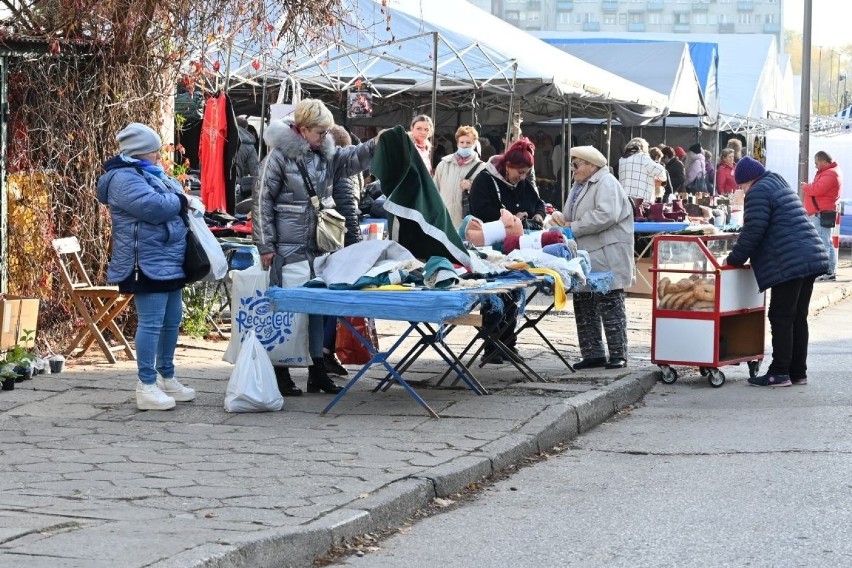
(822, 195)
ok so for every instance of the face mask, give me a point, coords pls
(464, 152)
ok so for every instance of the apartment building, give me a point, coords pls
(669, 16)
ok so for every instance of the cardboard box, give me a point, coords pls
(642, 288)
(17, 315)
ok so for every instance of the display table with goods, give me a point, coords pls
(420, 307)
(644, 233)
(705, 314)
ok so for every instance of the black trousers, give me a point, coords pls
(788, 320)
(507, 319)
(593, 311)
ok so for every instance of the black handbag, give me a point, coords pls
(827, 218)
(196, 264)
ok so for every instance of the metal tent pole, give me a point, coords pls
(805, 109)
(566, 144)
(511, 105)
(434, 91)
(609, 136)
(262, 117)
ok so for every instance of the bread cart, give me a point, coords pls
(705, 315)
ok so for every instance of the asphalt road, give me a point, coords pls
(736, 476)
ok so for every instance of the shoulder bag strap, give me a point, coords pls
(815, 203)
(309, 186)
(472, 170)
(497, 192)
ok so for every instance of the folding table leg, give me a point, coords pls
(454, 363)
(532, 324)
(377, 357)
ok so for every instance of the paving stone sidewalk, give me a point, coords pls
(86, 480)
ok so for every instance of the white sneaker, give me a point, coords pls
(150, 397)
(177, 391)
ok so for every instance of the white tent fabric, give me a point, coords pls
(475, 51)
(664, 67)
(751, 82)
(782, 155)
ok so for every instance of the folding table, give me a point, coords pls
(427, 311)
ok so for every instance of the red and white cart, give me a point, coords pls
(705, 315)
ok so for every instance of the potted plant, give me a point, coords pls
(8, 376)
(21, 358)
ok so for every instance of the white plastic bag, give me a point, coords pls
(252, 387)
(284, 335)
(280, 109)
(218, 262)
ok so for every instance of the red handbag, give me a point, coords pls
(349, 349)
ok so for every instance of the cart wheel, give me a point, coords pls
(667, 374)
(753, 368)
(704, 371)
(716, 378)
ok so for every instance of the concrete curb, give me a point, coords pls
(824, 301)
(391, 505)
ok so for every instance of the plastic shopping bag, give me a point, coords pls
(284, 335)
(252, 387)
(205, 237)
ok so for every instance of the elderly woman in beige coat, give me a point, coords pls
(455, 173)
(601, 217)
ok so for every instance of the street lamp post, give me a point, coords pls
(841, 95)
(805, 108)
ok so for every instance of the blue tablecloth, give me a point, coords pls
(435, 306)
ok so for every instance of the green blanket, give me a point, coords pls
(417, 216)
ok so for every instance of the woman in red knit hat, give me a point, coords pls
(506, 184)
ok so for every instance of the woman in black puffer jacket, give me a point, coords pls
(786, 255)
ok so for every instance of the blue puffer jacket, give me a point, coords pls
(145, 211)
(777, 235)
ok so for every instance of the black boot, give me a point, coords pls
(285, 384)
(318, 379)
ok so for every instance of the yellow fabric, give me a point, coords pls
(559, 295)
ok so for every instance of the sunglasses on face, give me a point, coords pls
(576, 165)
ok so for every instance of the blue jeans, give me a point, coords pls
(825, 234)
(316, 333)
(159, 316)
(329, 341)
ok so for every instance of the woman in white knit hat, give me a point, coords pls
(148, 248)
(601, 217)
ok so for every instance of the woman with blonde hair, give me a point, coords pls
(455, 172)
(420, 131)
(302, 157)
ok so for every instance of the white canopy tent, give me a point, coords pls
(446, 46)
(751, 82)
(782, 154)
(664, 67)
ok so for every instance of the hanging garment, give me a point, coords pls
(231, 149)
(211, 153)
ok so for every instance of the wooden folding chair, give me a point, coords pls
(97, 305)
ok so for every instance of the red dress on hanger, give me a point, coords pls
(211, 153)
